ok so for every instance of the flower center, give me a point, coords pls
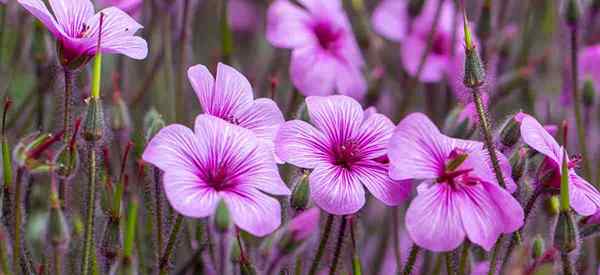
(346, 154)
(451, 174)
(217, 178)
(327, 35)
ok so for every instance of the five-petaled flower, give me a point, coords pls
(459, 195)
(325, 56)
(75, 26)
(346, 150)
(219, 161)
(230, 97)
(584, 198)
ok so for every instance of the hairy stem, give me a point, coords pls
(158, 212)
(17, 220)
(67, 125)
(90, 210)
(322, 243)
(395, 235)
(338, 246)
(412, 258)
(464, 258)
(566, 264)
(494, 257)
(164, 260)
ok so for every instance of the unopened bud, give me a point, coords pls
(298, 230)
(67, 162)
(246, 268)
(415, 7)
(30, 152)
(121, 118)
(589, 93)
(538, 247)
(111, 240)
(300, 194)
(235, 255)
(511, 132)
(518, 162)
(459, 125)
(474, 70)
(572, 12)
(153, 122)
(222, 220)
(58, 228)
(553, 205)
(94, 120)
(566, 233)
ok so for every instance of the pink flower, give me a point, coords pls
(131, 7)
(325, 56)
(305, 224)
(584, 197)
(459, 196)
(230, 97)
(589, 64)
(75, 26)
(346, 150)
(218, 161)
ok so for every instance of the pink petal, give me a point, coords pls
(300, 144)
(231, 95)
(188, 194)
(313, 71)
(433, 218)
(288, 25)
(417, 149)
(305, 224)
(350, 81)
(390, 19)
(251, 164)
(264, 119)
(480, 161)
(253, 211)
(71, 14)
(539, 139)
(374, 176)
(118, 31)
(336, 190)
(174, 148)
(374, 135)
(338, 117)
(511, 212)
(434, 67)
(203, 83)
(584, 197)
(38, 9)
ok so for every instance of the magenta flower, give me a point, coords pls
(131, 7)
(325, 56)
(230, 97)
(76, 27)
(218, 161)
(459, 196)
(346, 150)
(584, 198)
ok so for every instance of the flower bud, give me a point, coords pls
(121, 118)
(58, 228)
(538, 247)
(566, 233)
(235, 255)
(298, 230)
(572, 13)
(511, 132)
(94, 120)
(30, 151)
(246, 268)
(67, 162)
(474, 70)
(553, 205)
(518, 162)
(222, 220)
(589, 93)
(153, 122)
(458, 124)
(111, 240)
(300, 194)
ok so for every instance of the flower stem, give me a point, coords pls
(338, 246)
(298, 267)
(274, 263)
(464, 258)
(587, 170)
(494, 257)
(67, 104)
(412, 258)
(356, 265)
(222, 252)
(158, 212)
(164, 260)
(487, 134)
(449, 263)
(17, 220)
(566, 264)
(322, 243)
(395, 235)
(91, 207)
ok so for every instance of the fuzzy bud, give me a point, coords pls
(111, 240)
(58, 229)
(458, 125)
(566, 233)
(474, 70)
(518, 162)
(589, 93)
(236, 254)
(153, 122)
(30, 152)
(572, 12)
(511, 132)
(246, 268)
(222, 219)
(298, 230)
(67, 162)
(121, 118)
(538, 247)
(300, 195)
(94, 120)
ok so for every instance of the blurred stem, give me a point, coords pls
(226, 35)
(449, 263)
(223, 252)
(484, 122)
(17, 220)
(464, 258)
(414, 81)
(164, 260)
(90, 207)
(396, 230)
(298, 268)
(130, 230)
(322, 243)
(57, 261)
(566, 264)
(2, 31)
(412, 258)
(5, 267)
(356, 264)
(67, 103)
(158, 212)
(587, 170)
(338, 246)
(494, 257)
(180, 111)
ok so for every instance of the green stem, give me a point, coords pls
(322, 243)
(486, 129)
(68, 74)
(298, 267)
(449, 263)
(17, 220)
(566, 264)
(587, 170)
(226, 35)
(164, 260)
(91, 207)
(412, 258)
(4, 254)
(464, 258)
(395, 235)
(338, 246)
(494, 257)
(57, 261)
(158, 212)
(437, 265)
(356, 264)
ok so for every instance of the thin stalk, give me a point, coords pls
(338, 246)
(449, 263)
(2, 31)
(158, 212)
(322, 243)
(437, 265)
(57, 261)
(183, 35)
(223, 252)
(587, 170)
(68, 74)
(464, 258)
(274, 263)
(356, 265)
(17, 220)
(298, 267)
(395, 235)
(566, 264)
(494, 257)
(164, 260)
(91, 207)
(4, 265)
(412, 258)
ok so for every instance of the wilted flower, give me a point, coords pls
(76, 27)
(230, 98)
(218, 161)
(459, 196)
(584, 198)
(325, 56)
(346, 150)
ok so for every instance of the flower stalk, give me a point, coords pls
(338, 246)
(322, 243)
(166, 257)
(412, 258)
